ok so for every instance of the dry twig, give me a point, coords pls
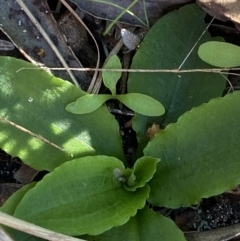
(32, 229)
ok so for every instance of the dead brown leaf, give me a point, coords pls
(25, 174)
(222, 9)
(151, 131)
(23, 33)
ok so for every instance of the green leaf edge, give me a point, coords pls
(132, 183)
(208, 194)
(146, 225)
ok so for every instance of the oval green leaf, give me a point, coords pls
(199, 154)
(142, 104)
(87, 103)
(146, 225)
(220, 54)
(82, 196)
(160, 50)
(143, 171)
(110, 78)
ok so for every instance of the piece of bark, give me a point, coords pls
(77, 38)
(25, 174)
(154, 8)
(222, 9)
(23, 33)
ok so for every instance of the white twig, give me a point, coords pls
(4, 236)
(229, 82)
(33, 229)
(196, 44)
(176, 71)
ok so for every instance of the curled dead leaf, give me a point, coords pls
(151, 131)
(223, 10)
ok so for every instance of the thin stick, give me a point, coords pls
(126, 64)
(32, 229)
(229, 82)
(4, 236)
(90, 88)
(196, 43)
(220, 234)
(49, 41)
(145, 12)
(31, 133)
(177, 71)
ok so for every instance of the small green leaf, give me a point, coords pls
(110, 79)
(87, 103)
(220, 54)
(82, 196)
(142, 104)
(143, 171)
(146, 225)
